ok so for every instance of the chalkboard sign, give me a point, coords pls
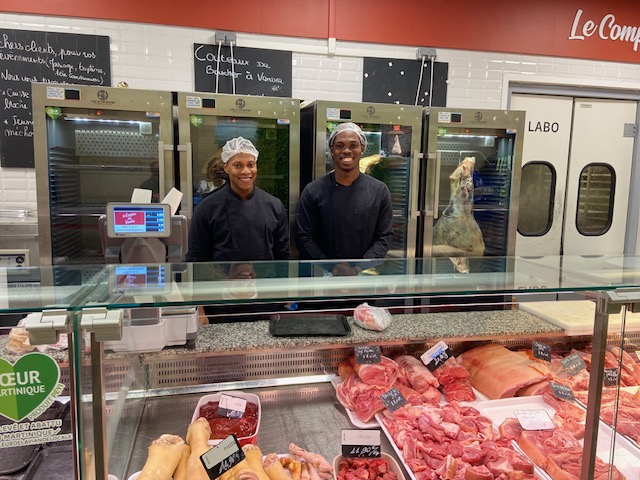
(26, 57)
(256, 71)
(390, 80)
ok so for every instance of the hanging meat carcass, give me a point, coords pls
(456, 230)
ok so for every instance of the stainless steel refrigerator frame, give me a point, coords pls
(372, 113)
(435, 118)
(244, 106)
(98, 98)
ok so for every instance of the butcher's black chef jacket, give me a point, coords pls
(344, 222)
(226, 228)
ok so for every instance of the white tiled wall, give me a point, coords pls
(160, 57)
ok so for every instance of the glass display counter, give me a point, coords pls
(135, 368)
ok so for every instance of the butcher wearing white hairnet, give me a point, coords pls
(346, 214)
(239, 221)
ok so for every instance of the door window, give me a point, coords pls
(595, 199)
(537, 193)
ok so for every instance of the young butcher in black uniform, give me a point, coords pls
(346, 214)
(239, 221)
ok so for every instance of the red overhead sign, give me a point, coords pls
(592, 29)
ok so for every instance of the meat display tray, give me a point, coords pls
(541, 474)
(304, 324)
(626, 456)
(353, 418)
(52, 463)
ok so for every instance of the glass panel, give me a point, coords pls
(457, 234)
(387, 158)
(537, 191)
(595, 199)
(270, 136)
(95, 157)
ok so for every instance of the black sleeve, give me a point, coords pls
(199, 237)
(281, 236)
(307, 228)
(381, 241)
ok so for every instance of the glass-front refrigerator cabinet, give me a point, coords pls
(206, 121)
(392, 155)
(93, 146)
(470, 187)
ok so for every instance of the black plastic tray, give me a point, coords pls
(15, 459)
(52, 463)
(308, 324)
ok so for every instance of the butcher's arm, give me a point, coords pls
(307, 229)
(381, 241)
(199, 239)
(281, 236)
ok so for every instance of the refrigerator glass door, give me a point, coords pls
(492, 177)
(272, 138)
(95, 157)
(387, 157)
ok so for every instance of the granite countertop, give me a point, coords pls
(224, 338)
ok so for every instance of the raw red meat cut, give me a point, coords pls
(383, 374)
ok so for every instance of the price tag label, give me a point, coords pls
(562, 391)
(393, 399)
(610, 377)
(361, 443)
(573, 363)
(231, 407)
(638, 354)
(541, 351)
(222, 457)
(367, 354)
(436, 356)
(534, 419)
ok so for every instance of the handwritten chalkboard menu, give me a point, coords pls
(26, 57)
(256, 71)
(389, 80)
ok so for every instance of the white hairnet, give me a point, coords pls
(238, 145)
(346, 127)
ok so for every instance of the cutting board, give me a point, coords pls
(577, 316)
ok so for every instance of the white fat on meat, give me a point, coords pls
(498, 372)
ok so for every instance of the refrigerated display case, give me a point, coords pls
(393, 134)
(93, 146)
(206, 121)
(494, 139)
(122, 401)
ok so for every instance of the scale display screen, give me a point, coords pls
(138, 220)
(139, 278)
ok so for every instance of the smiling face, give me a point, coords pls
(346, 151)
(242, 170)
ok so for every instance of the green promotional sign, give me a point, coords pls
(196, 120)
(29, 386)
(53, 112)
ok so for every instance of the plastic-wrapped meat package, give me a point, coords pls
(372, 318)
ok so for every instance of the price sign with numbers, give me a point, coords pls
(367, 354)
(231, 407)
(562, 391)
(573, 363)
(393, 399)
(361, 443)
(541, 351)
(610, 377)
(436, 356)
(222, 457)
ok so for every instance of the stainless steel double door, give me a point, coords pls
(576, 175)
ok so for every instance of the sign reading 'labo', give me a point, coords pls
(606, 28)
